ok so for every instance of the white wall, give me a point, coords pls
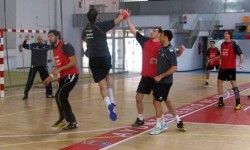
(30, 17)
(110, 5)
(191, 20)
(150, 21)
(191, 59)
(70, 34)
(42, 17)
(27, 16)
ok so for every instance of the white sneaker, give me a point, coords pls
(164, 125)
(156, 130)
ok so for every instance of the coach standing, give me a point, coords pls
(38, 63)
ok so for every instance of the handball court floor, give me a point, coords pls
(25, 125)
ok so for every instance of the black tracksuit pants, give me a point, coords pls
(43, 71)
(66, 84)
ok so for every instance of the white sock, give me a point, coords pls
(178, 119)
(158, 122)
(111, 95)
(140, 116)
(107, 101)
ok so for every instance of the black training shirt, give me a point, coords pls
(167, 58)
(95, 36)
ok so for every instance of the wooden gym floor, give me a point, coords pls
(26, 124)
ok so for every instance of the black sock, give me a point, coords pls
(237, 101)
(221, 99)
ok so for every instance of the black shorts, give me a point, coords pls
(161, 91)
(99, 67)
(146, 85)
(212, 67)
(227, 74)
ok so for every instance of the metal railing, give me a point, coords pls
(195, 31)
(213, 24)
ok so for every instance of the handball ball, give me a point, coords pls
(125, 14)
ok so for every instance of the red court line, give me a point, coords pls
(122, 134)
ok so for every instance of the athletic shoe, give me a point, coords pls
(164, 126)
(237, 107)
(180, 126)
(70, 126)
(138, 123)
(50, 96)
(58, 125)
(112, 114)
(220, 104)
(156, 130)
(25, 97)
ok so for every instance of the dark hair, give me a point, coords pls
(92, 15)
(55, 32)
(168, 33)
(230, 33)
(212, 42)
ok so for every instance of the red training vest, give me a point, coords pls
(150, 50)
(228, 56)
(212, 53)
(61, 60)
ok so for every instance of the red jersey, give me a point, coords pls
(150, 50)
(62, 59)
(212, 53)
(228, 55)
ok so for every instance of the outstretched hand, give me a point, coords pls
(181, 49)
(125, 13)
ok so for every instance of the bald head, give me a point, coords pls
(39, 39)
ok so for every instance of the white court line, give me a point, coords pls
(80, 85)
(6, 136)
(227, 96)
(246, 108)
(40, 108)
(130, 138)
(22, 94)
(57, 133)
